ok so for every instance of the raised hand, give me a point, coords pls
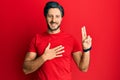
(86, 39)
(54, 52)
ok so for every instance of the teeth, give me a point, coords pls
(53, 24)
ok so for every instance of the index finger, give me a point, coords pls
(58, 47)
(84, 34)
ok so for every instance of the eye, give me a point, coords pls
(57, 16)
(50, 16)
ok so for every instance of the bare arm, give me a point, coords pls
(83, 59)
(32, 62)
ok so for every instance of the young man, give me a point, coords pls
(50, 53)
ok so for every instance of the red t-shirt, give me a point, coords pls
(58, 68)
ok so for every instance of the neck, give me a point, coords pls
(54, 32)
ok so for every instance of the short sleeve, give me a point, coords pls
(32, 45)
(76, 46)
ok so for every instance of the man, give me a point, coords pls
(50, 53)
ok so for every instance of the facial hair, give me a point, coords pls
(51, 28)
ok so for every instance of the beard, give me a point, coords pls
(54, 28)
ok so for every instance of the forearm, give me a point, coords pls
(84, 62)
(32, 63)
(31, 66)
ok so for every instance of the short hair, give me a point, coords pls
(53, 4)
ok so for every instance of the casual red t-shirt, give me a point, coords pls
(58, 68)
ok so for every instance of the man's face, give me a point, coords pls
(54, 19)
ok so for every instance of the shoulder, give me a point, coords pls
(40, 35)
(67, 35)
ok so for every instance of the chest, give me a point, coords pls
(55, 41)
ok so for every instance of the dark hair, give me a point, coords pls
(53, 4)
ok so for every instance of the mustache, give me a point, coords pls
(53, 22)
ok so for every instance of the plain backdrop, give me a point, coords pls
(20, 20)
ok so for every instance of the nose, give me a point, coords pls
(53, 19)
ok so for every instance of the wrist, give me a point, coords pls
(87, 50)
(44, 58)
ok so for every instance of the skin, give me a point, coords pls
(83, 59)
(53, 19)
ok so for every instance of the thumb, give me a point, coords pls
(48, 46)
